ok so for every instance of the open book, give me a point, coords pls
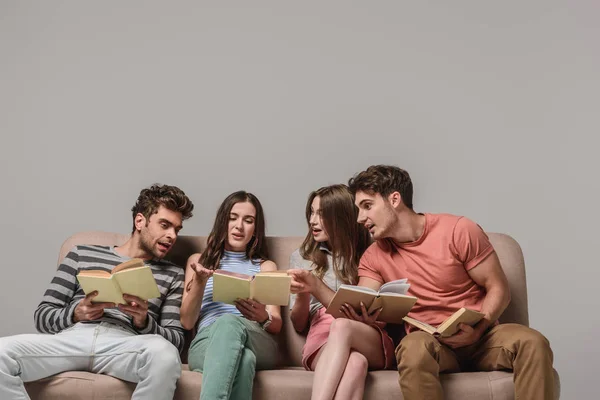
(131, 277)
(391, 296)
(272, 288)
(450, 326)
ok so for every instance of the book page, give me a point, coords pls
(228, 288)
(348, 294)
(399, 286)
(232, 274)
(358, 288)
(133, 263)
(137, 282)
(107, 290)
(421, 325)
(271, 288)
(95, 272)
(466, 316)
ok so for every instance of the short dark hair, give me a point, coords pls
(170, 197)
(385, 180)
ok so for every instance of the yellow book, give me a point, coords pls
(272, 288)
(450, 326)
(131, 277)
(391, 296)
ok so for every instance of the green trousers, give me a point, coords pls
(227, 353)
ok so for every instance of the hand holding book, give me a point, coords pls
(87, 310)
(391, 300)
(462, 320)
(272, 288)
(252, 309)
(365, 317)
(130, 277)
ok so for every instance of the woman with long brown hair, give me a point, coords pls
(232, 340)
(331, 251)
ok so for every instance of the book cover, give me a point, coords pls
(131, 277)
(396, 304)
(450, 326)
(269, 288)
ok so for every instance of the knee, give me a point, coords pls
(358, 365)
(533, 340)
(248, 360)
(7, 347)
(340, 329)
(414, 348)
(228, 323)
(5, 351)
(161, 354)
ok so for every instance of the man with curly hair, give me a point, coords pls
(136, 342)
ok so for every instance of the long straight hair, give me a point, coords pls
(257, 246)
(347, 239)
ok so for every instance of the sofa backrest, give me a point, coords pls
(280, 249)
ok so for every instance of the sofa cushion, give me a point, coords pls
(282, 384)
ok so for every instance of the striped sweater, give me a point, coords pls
(55, 312)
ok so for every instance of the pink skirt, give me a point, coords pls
(319, 332)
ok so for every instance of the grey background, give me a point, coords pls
(491, 106)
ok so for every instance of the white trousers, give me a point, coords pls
(148, 360)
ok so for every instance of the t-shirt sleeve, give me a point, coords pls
(471, 243)
(367, 267)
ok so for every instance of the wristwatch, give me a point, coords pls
(265, 324)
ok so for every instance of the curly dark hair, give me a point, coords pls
(385, 180)
(170, 197)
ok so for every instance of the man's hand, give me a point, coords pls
(252, 310)
(364, 317)
(137, 308)
(88, 311)
(467, 335)
(303, 281)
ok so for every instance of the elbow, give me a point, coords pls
(187, 321)
(299, 324)
(187, 324)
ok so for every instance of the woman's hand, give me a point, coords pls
(202, 274)
(364, 317)
(303, 281)
(252, 310)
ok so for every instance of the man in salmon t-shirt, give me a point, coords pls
(449, 263)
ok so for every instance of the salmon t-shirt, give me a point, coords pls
(435, 265)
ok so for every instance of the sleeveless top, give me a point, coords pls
(233, 261)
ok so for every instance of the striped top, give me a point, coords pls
(55, 312)
(233, 261)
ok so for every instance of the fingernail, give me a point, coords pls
(362, 304)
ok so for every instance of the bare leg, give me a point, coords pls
(352, 384)
(344, 336)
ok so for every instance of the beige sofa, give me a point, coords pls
(291, 381)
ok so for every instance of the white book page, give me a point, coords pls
(358, 288)
(399, 286)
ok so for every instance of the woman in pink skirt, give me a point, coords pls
(342, 350)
